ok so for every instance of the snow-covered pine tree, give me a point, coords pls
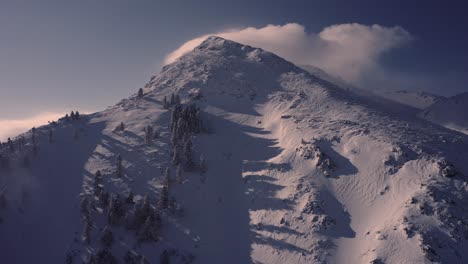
(11, 146)
(107, 238)
(176, 156)
(129, 220)
(104, 198)
(149, 135)
(33, 137)
(116, 210)
(165, 103)
(86, 234)
(167, 177)
(172, 99)
(203, 167)
(140, 93)
(84, 206)
(149, 231)
(119, 168)
(187, 155)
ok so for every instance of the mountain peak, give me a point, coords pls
(219, 43)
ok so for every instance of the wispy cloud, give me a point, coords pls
(12, 127)
(350, 51)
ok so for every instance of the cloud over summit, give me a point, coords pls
(349, 51)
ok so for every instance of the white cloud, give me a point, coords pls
(12, 127)
(350, 51)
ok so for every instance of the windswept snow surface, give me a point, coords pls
(451, 112)
(419, 100)
(298, 171)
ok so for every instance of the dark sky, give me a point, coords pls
(88, 54)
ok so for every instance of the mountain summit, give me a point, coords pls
(232, 154)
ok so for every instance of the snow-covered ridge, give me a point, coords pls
(420, 100)
(296, 170)
(451, 112)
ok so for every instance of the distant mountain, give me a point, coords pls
(450, 112)
(232, 154)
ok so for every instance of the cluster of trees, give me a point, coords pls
(141, 217)
(20, 149)
(174, 100)
(74, 115)
(185, 121)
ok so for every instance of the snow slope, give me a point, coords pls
(298, 171)
(419, 100)
(451, 112)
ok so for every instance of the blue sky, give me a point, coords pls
(88, 54)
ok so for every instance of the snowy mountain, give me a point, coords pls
(450, 112)
(419, 100)
(273, 165)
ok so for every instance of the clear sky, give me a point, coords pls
(62, 55)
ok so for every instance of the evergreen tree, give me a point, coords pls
(165, 103)
(86, 234)
(140, 93)
(172, 99)
(188, 161)
(177, 100)
(203, 167)
(121, 127)
(176, 156)
(149, 135)
(164, 258)
(116, 210)
(77, 115)
(149, 231)
(107, 237)
(11, 146)
(167, 177)
(97, 183)
(119, 170)
(104, 198)
(72, 115)
(84, 206)
(129, 221)
(156, 134)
